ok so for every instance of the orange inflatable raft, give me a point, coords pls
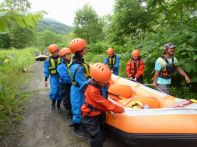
(150, 114)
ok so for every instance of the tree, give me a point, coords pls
(18, 5)
(129, 20)
(87, 24)
(21, 37)
(46, 38)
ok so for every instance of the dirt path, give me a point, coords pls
(43, 128)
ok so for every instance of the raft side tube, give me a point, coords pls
(189, 140)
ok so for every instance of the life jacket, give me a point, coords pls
(111, 61)
(134, 67)
(167, 71)
(88, 108)
(68, 66)
(96, 103)
(86, 71)
(53, 65)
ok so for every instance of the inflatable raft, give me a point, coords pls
(150, 114)
(41, 58)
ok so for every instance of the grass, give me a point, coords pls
(12, 63)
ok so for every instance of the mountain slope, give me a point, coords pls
(54, 26)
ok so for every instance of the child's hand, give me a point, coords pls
(46, 84)
(118, 109)
(112, 114)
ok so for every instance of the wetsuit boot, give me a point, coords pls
(53, 105)
(69, 118)
(59, 107)
(78, 130)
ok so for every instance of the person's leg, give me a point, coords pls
(102, 124)
(67, 104)
(52, 94)
(76, 97)
(164, 87)
(93, 127)
(58, 94)
(140, 80)
(63, 94)
(115, 71)
(66, 100)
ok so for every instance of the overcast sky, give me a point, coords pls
(64, 10)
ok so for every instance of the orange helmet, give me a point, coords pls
(77, 45)
(136, 53)
(100, 72)
(53, 48)
(64, 51)
(110, 51)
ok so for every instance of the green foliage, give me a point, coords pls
(21, 37)
(97, 57)
(24, 21)
(12, 79)
(4, 41)
(149, 28)
(18, 5)
(183, 92)
(164, 21)
(17, 26)
(87, 24)
(44, 39)
(99, 47)
(129, 20)
(66, 39)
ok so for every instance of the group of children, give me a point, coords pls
(134, 68)
(83, 87)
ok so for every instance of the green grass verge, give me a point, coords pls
(12, 76)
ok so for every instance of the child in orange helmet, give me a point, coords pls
(113, 61)
(93, 110)
(135, 67)
(50, 70)
(79, 70)
(65, 82)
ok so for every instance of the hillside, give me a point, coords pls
(54, 26)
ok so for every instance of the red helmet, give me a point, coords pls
(136, 53)
(100, 72)
(53, 48)
(110, 51)
(64, 51)
(77, 45)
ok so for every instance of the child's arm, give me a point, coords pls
(128, 69)
(105, 61)
(105, 104)
(63, 72)
(46, 72)
(117, 62)
(140, 71)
